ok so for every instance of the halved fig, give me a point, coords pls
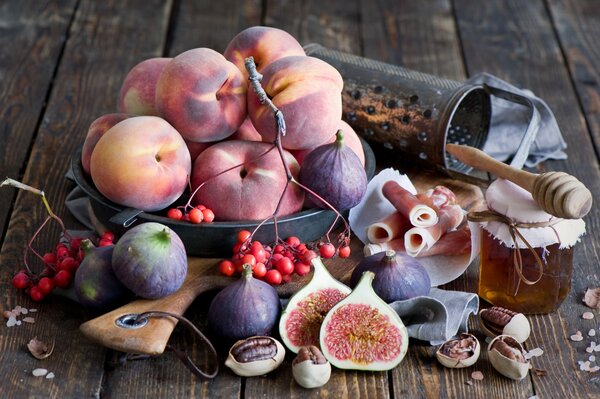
(301, 320)
(362, 332)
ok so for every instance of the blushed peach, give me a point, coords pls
(247, 132)
(247, 192)
(308, 93)
(138, 91)
(141, 162)
(202, 95)
(95, 131)
(265, 44)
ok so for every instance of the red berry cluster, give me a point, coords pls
(59, 267)
(277, 264)
(196, 215)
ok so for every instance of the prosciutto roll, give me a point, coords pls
(457, 242)
(418, 239)
(419, 213)
(393, 226)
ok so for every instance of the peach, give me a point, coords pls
(351, 139)
(250, 191)
(247, 132)
(263, 43)
(95, 131)
(138, 92)
(202, 95)
(141, 162)
(308, 93)
(196, 149)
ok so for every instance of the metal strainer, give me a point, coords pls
(418, 113)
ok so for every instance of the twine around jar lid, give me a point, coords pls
(518, 205)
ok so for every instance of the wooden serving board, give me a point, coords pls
(203, 276)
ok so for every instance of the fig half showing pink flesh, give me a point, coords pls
(301, 320)
(362, 332)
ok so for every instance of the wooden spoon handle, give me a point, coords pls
(480, 160)
(152, 337)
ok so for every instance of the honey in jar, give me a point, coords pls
(533, 284)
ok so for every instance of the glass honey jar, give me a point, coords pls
(526, 256)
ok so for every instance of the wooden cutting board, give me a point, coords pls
(203, 276)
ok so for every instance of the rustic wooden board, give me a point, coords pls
(105, 39)
(515, 40)
(32, 36)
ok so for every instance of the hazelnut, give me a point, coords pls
(460, 352)
(500, 321)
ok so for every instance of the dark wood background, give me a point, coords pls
(61, 66)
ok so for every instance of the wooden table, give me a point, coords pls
(61, 66)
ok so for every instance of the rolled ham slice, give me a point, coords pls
(419, 213)
(457, 242)
(393, 226)
(418, 239)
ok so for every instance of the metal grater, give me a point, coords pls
(417, 113)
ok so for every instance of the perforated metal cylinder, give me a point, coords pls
(409, 111)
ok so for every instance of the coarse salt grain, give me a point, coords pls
(477, 375)
(594, 369)
(50, 375)
(18, 322)
(24, 311)
(592, 333)
(577, 337)
(535, 352)
(32, 310)
(39, 372)
(587, 315)
(12, 320)
(584, 366)
(592, 358)
(29, 320)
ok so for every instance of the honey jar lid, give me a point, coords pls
(516, 203)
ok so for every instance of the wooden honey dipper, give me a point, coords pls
(557, 193)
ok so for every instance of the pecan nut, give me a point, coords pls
(255, 356)
(500, 321)
(508, 357)
(310, 368)
(311, 353)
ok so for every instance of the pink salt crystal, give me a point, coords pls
(587, 315)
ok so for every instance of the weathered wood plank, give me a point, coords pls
(331, 24)
(32, 35)
(105, 40)
(211, 24)
(515, 40)
(577, 24)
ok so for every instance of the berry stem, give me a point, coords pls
(255, 78)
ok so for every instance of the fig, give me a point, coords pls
(245, 308)
(301, 320)
(95, 282)
(334, 172)
(362, 332)
(397, 276)
(150, 260)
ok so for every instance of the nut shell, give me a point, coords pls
(511, 368)
(259, 367)
(310, 375)
(456, 363)
(499, 321)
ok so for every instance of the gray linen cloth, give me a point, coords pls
(509, 121)
(442, 314)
